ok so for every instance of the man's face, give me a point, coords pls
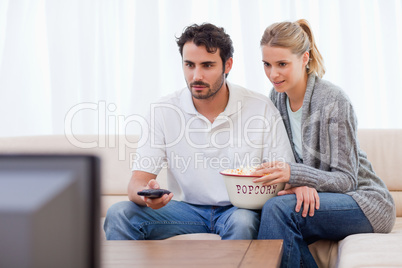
(203, 71)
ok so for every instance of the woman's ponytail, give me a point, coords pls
(316, 63)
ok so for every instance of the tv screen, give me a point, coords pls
(49, 211)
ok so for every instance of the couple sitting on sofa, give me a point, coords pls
(308, 141)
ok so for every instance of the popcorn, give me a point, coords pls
(240, 171)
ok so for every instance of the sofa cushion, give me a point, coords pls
(372, 250)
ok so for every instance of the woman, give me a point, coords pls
(321, 125)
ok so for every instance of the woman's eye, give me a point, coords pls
(282, 64)
(266, 64)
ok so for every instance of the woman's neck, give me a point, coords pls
(296, 96)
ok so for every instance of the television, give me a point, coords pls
(49, 211)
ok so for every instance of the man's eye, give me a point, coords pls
(189, 65)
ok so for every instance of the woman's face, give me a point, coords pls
(285, 70)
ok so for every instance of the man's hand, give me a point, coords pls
(306, 196)
(141, 180)
(156, 203)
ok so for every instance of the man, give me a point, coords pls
(199, 131)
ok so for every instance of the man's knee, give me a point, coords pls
(117, 222)
(119, 213)
(245, 218)
(118, 209)
(242, 224)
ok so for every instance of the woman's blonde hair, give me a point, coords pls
(299, 38)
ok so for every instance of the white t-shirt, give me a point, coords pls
(248, 132)
(295, 125)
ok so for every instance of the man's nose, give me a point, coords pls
(198, 74)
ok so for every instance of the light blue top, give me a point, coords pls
(295, 119)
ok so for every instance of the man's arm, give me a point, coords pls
(141, 180)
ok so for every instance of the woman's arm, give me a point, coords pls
(330, 152)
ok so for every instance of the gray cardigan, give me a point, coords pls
(332, 158)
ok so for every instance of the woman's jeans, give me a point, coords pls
(338, 216)
(129, 221)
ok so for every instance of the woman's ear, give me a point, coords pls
(306, 58)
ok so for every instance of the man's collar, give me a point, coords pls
(235, 101)
(186, 101)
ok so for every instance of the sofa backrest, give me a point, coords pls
(118, 152)
(384, 150)
(114, 155)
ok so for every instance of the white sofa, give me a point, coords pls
(117, 152)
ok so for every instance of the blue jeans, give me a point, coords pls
(338, 216)
(129, 221)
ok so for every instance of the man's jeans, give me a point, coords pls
(128, 221)
(338, 216)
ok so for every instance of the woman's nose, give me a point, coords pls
(273, 72)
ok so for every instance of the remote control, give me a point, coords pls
(153, 193)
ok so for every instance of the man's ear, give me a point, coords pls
(228, 65)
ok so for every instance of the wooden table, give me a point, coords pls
(191, 253)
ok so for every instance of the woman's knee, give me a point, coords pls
(284, 204)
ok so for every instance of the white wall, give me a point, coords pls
(101, 63)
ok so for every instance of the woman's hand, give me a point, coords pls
(272, 173)
(278, 171)
(306, 196)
